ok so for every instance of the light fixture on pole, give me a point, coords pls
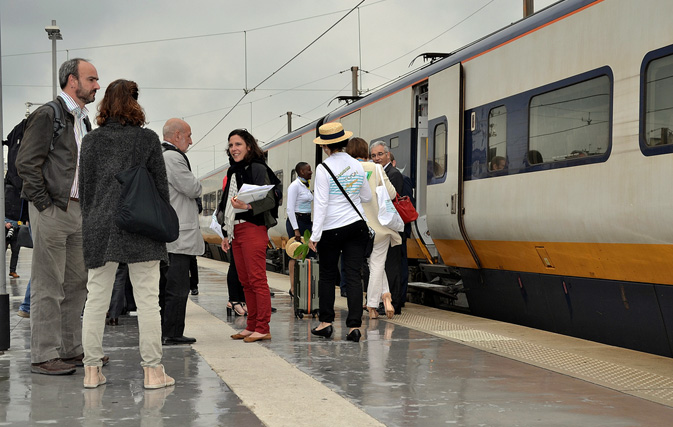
(54, 33)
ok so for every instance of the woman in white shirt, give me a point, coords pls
(377, 288)
(299, 200)
(339, 229)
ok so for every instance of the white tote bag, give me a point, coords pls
(388, 216)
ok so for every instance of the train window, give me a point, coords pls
(437, 162)
(394, 142)
(219, 198)
(208, 204)
(659, 102)
(279, 175)
(570, 122)
(497, 139)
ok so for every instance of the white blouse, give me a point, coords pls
(299, 199)
(330, 208)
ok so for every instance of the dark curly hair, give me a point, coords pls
(121, 103)
(250, 141)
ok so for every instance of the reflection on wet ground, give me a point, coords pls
(397, 375)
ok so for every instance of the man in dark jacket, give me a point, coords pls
(49, 168)
(380, 154)
(16, 208)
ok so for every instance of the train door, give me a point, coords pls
(440, 168)
(420, 229)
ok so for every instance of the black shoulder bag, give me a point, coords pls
(372, 233)
(142, 210)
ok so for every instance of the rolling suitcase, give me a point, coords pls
(306, 287)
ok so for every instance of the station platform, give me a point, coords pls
(425, 367)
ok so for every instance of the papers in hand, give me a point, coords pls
(249, 193)
(216, 227)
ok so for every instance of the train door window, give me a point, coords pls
(658, 115)
(570, 122)
(437, 157)
(497, 139)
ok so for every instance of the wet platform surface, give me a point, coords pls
(426, 367)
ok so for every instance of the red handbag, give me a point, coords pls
(405, 208)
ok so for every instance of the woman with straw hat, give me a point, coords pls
(339, 228)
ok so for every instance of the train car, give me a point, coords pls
(541, 156)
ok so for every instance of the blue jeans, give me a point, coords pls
(25, 305)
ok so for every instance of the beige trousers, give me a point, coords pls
(145, 279)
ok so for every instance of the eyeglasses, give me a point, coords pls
(381, 154)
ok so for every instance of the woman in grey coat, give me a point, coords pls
(105, 152)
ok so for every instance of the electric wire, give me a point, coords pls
(274, 73)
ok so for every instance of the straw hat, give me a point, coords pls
(292, 246)
(331, 133)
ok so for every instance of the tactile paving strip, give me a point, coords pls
(631, 381)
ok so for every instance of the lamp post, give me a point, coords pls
(54, 33)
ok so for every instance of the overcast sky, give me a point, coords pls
(189, 58)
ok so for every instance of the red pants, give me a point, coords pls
(249, 246)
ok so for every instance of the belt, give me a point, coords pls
(74, 199)
(239, 221)
(302, 214)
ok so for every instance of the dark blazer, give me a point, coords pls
(107, 151)
(47, 174)
(395, 177)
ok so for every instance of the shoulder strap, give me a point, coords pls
(174, 148)
(59, 121)
(342, 189)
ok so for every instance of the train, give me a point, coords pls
(541, 158)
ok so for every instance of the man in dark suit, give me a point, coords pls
(380, 154)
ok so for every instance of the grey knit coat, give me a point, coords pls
(105, 152)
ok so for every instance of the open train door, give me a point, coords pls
(440, 169)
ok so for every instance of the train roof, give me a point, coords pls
(538, 20)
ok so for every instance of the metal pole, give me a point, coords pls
(53, 63)
(289, 121)
(4, 296)
(354, 72)
(53, 33)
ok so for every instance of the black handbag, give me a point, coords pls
(23, 237)
(372, 234)
(142, 210)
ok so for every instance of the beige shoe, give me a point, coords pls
(388, 305)
(93, 377)
(156, 377)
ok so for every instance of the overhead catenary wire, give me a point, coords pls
(280, 68)
(197, 36)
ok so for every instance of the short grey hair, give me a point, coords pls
(382, 144)
(71, 66)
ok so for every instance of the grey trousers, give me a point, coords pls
(58, 283)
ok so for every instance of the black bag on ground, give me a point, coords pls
(142, 210)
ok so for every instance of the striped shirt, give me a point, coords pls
(79, 113)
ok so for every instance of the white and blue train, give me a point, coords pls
(572, 235)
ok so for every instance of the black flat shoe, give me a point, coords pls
(178, 340)
(354, 335)
(325, 332)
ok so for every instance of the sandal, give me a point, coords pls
(240, 311)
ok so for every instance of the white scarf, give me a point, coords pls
(229, 209)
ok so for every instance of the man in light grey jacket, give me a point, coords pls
(184, 189)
